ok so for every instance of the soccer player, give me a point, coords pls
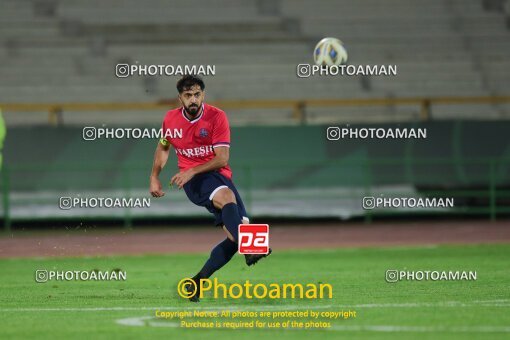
(200, 135)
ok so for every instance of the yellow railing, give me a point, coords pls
(55, 110)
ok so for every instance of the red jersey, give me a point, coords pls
(194, 140)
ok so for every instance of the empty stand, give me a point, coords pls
(66, 51)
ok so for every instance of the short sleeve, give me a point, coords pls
(221, 131)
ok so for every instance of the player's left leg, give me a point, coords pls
(220, 255)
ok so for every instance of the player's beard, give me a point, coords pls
(193, 109)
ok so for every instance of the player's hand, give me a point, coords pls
(155, 188)
(182, 178)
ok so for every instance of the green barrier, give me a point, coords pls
(468, 159)
(490, 200)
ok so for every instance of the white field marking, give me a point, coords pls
(507, 300)
(167, 308)
(151, 322)
(432, 304)
(478, 303)
(144, 321)
(422, 329)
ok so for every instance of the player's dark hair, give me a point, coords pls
(188, 81)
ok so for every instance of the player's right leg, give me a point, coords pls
(225, 201)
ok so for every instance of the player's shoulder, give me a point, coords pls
(214, 112)
(173, 113)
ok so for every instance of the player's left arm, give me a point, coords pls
(219, 161)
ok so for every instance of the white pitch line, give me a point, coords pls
(142, 321)
(496, 300)
(446, 304)
(150, 321)
(423, 329)
(433, 304)
(163, 308)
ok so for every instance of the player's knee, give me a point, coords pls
(224, 196)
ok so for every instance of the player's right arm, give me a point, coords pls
(160, 159)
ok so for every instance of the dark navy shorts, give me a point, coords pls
(202, 187)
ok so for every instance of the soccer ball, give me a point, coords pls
(330, 51)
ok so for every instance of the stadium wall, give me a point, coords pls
(280, 170)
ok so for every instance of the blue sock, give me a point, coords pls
(220, 256)
(231, 219)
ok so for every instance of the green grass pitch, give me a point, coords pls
(419, 309)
